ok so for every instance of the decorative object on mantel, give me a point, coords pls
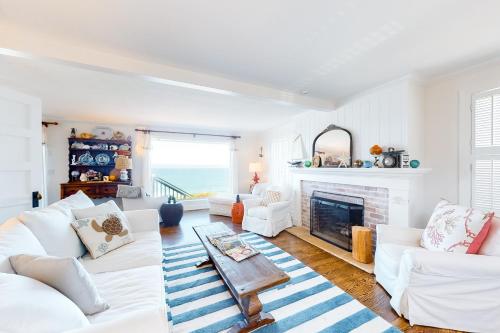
(298, 153)
(414, 164)
(73, 133)
(330, 145)
(295, 164)
(344, 161)
(376, 151)
(254, 167)
(367, 164)
(317, 161)
(358, 164)
(307, 164)
(405, 160)
(392, 158)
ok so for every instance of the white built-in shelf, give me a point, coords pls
(362, 171)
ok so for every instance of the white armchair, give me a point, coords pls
(271, 220)
(439, 289)
(222, 203)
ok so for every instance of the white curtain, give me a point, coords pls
(234, 166)
(143, 152)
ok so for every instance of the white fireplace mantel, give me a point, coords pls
(384, 172)
(405, 187)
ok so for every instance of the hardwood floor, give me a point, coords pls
(356, 282)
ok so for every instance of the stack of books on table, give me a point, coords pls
(232, 245)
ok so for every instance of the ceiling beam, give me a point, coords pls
(17, 42)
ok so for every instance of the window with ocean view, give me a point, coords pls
(197, 168)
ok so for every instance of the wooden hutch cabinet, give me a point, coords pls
(97, 155)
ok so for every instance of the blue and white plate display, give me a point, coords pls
(102, 159)
(86, 159)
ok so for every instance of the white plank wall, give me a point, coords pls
(378, 117)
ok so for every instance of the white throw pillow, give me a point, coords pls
(53, 229)
(66, 275)
(454, 228)
(103, 233)
(16, 238)
(102, 209)
(27, 305)
(78, 200)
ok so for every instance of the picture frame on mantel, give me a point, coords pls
(333, 146)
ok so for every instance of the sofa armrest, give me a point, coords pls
(143, 220)
(249, 203)
(398, 235)
(277, 208)
(151, 321)
(454, 265)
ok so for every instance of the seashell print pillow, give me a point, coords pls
(103, 233)
(454, 228)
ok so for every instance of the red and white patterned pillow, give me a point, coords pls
(454, 228)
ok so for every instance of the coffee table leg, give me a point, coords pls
(254, 317)
(204, 262)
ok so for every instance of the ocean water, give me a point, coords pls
(196, 180)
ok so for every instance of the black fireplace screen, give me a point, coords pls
(333, 215)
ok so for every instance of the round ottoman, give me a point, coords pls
(171, 212)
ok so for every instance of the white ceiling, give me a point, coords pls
(74, 93)
(329, 48)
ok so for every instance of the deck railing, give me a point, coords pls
(162, 188)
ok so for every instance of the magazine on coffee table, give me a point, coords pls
(232, 245)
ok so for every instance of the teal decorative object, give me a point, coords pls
(367, 164)
(414, 164)
(307, 164)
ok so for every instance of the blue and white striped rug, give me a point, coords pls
(198, 300)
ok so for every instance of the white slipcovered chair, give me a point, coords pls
(268, 220)
(221, 204)
(440, 289)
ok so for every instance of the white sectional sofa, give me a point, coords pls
(129, 279)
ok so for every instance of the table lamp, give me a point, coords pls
(255, 167)
(123, 163)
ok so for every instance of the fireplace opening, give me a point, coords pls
(333, 216)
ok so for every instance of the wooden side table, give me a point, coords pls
(362, 244)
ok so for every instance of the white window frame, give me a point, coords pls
(233, 164)
(466, 135)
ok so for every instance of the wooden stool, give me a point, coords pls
(362, 244)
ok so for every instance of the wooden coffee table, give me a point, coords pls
(244, 279)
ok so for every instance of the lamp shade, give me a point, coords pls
(254, 167)
(122, 162)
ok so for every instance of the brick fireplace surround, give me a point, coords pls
(376, 200)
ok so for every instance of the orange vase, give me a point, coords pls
(237, 211)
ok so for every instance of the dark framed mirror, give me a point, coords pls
(333, 148)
